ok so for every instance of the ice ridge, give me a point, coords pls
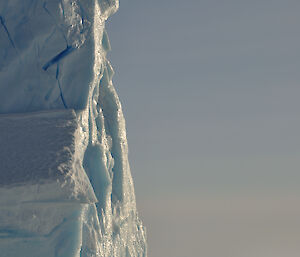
(65, 184)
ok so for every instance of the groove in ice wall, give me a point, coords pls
(53, 59)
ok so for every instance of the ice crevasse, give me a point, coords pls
(65, 184)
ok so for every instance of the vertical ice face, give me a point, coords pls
(51, 45)
(53, 57)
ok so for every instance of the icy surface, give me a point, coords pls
(65, 183)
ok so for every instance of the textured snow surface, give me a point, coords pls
(65, 183)
(39, 159)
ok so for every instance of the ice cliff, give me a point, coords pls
(65, 184)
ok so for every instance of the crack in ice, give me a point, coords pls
(58, 57)
(7, 32)
(59, 86)
(59, 28)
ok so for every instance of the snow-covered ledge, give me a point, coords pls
(43, 186)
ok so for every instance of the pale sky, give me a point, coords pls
(210, 92)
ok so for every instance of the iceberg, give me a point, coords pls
(65, 184)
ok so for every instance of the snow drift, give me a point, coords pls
(65, 183)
